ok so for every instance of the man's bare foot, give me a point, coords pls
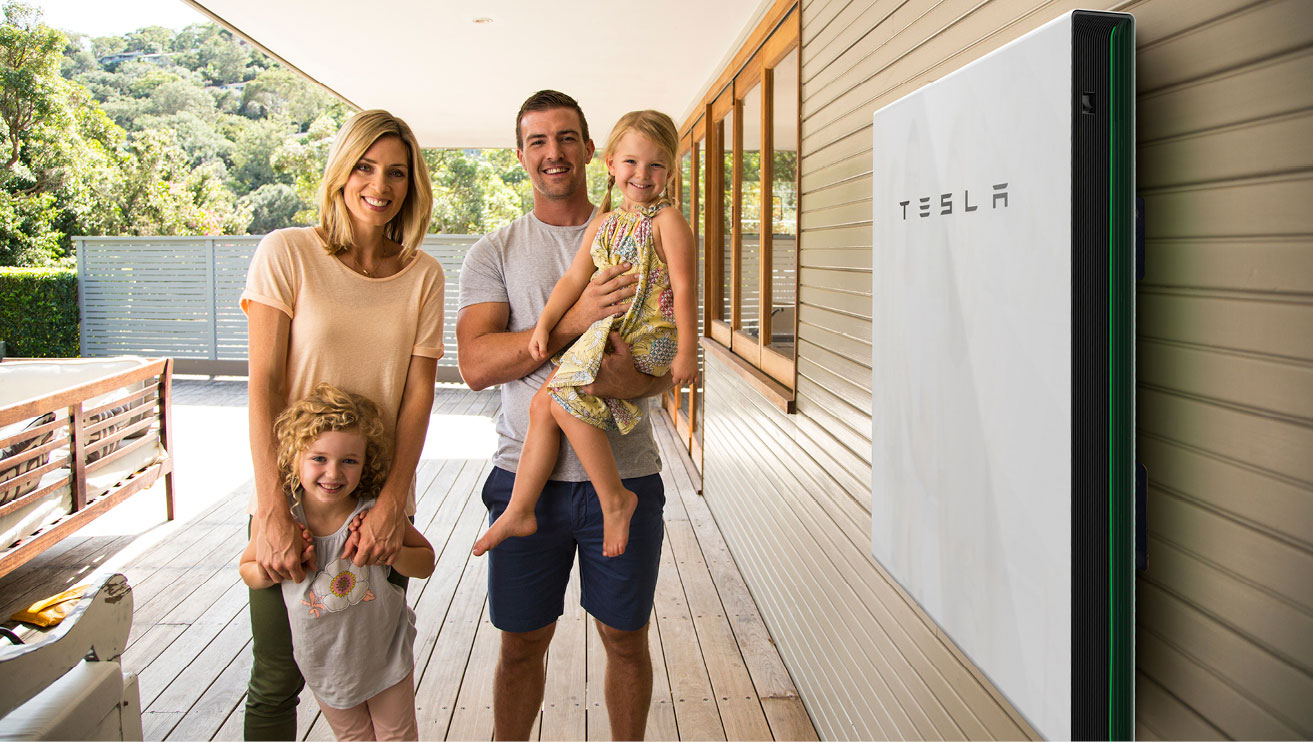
(507, 525)
(615, 523)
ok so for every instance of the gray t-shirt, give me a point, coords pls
(352, 633)
(518, 265)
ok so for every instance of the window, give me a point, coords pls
(749, 124)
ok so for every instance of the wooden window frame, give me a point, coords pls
(693, 144)
(768, 370)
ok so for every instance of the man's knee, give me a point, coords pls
(527, 646)
(624, 646)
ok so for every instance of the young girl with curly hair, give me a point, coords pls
(352, 632)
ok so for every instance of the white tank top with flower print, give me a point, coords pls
(352, 632)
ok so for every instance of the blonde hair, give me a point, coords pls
(327, 408)
(356, 136)
(658, 129)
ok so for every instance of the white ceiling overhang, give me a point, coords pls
(458, 83)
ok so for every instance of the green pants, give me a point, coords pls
(276, 682)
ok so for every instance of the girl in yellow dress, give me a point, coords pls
(660, 327)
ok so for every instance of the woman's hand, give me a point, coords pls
(684, 369)
(279, 548)
(377, 538)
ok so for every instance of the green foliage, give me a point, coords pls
(272, 206)
(27, 234)
(189, 132)
(39, 312)
(160, 194)
(58, 146)
(253, 154)
(281, 93)
(470, 195)
(30, 85)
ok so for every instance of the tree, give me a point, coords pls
(470, 195)
(151, 40)
(279, 92)
(302, 157)
(161, 195)
(254, 147)
(223, 59)
(272, 206)
(58, 146)
(30, 85)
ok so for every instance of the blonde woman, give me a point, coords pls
(352, 302)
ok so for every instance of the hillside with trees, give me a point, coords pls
(191, 132)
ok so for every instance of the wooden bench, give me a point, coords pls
(77, 437)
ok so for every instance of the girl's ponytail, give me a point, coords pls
(606, 200)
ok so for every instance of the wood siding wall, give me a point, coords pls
(1225, 323)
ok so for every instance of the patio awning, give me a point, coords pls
(457, 70)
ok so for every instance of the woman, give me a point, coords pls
(355, 303)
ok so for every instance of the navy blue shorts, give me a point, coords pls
(527, 576)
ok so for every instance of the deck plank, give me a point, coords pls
(226, 694)
(440, 681)
(472, 717)
(696, 713)
(564, 714)
(781, 703)
(597, 721)
(156, 677)
(661, 724)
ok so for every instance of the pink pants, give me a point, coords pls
(388, 715)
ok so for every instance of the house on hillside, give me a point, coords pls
(782, 427)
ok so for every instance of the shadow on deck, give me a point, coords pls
(717, 674)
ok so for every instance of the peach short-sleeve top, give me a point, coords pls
(355, 332)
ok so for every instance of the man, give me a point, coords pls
(504, 284)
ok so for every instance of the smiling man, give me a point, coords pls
(504, 284)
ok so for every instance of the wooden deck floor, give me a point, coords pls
(718, 676)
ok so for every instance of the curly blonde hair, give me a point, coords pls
(327, 408)
(659, 129)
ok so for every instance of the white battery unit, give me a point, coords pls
(1002, 493)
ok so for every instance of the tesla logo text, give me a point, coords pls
(999, 201)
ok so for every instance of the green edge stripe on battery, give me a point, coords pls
(1112, 373)
(1118, 726)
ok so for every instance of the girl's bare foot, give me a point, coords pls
(615, 523)
(507, 525)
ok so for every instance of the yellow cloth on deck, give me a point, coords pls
(50, 611)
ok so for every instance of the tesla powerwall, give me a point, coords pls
(1003, 366)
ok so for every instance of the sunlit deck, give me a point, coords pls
(718, 676)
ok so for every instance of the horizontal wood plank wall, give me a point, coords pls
(1225, 321)
(1225, 130)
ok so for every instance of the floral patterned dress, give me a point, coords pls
(648, 326)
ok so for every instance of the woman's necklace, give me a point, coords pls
(362, 270)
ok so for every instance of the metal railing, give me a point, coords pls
(178, 297)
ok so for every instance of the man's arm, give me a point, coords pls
(489, 354)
